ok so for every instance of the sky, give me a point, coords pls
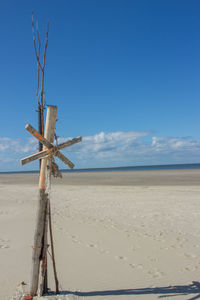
(125, 75)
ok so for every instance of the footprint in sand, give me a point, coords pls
(75, 241)
(154, 259)
(196, 246)
(164, 248)
(181, 240)
(4, 212)
(121, 258)
(135, 248)
(74, 238)
(133, 266)
(20, 202)
(139, 267)
(103, 251)
(155, 273)
(190, 255)
(4, 244)
(92, 245)
(177, 246)
(189, 269)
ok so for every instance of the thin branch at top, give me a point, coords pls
(38, 58)
(38, 86)
(45, 49)
(39, 65)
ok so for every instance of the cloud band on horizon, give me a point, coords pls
(113, 149)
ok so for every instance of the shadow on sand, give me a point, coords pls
(192, 290)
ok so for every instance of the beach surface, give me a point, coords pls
(118, 235)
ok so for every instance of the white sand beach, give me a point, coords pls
(118, 235)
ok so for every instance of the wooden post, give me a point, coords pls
(40, 236)
(43, 198)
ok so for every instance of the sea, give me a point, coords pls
(126, 168)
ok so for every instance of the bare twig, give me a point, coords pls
(44, 59)
(40, 68)
(52, 251)
(34, 41)
(39, 45)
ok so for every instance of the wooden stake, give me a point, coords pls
(43, 198)
(52, 251)
(44, 277)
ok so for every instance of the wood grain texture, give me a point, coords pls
(35, 156)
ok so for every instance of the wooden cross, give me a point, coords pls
(43, 212)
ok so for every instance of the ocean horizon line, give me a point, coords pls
(118, 169)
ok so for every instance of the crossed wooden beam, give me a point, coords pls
(51, 149)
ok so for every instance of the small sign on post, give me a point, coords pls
(46, 155)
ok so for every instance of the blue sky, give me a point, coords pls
(124, 74)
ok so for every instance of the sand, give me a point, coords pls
(118, 235)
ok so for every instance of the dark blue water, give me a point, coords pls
(131, 168)
(136, 168)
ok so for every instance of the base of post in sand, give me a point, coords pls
(22, 293)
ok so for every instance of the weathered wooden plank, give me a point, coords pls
(35, 156)
(42, 139)
(69, 143)
(64, 159)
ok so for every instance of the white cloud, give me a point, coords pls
(102, 143)
(133, 148)
(114, 149)
(162, 144)
(4, 159)
(17, 146)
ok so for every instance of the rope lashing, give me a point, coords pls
(36, 247)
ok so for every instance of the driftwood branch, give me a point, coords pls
(39, 45)
(38, 136)
(40, 69)
(35, 156)
(44, 60)
(37, 53)
(52, 251)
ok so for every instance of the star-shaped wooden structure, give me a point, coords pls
(52, 150)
